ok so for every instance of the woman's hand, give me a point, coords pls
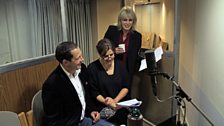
(119, 50)
(111, 102)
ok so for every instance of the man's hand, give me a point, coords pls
(95, 115)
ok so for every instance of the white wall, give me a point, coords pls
(107, 12)
(167, 21)
(157, 18)
(201, 66)
(104, 13)
(148, 18)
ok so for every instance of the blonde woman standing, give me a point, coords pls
(125, 34)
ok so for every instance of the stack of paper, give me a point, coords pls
(130, 103)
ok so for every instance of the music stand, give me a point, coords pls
(179, 96)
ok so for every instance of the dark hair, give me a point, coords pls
(63, 51)
(103, 46)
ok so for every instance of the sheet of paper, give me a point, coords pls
(158, 53)
(143, 65)
(130, 103)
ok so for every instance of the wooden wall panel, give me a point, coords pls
(18, 87)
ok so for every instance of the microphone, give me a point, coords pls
(152, 69)
(151, 62)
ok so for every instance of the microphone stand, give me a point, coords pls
(181, 94)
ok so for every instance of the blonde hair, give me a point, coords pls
(127, 12)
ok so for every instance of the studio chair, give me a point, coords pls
(8, 118)
(37, 109)
(23, 119)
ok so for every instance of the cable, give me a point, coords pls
(163, 100)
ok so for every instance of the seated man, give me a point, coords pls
(65, 92)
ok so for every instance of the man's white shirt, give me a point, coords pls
(78, 87)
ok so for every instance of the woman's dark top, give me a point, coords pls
(109, 86)
(106, 85)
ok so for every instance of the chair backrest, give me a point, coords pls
(23, 119)
(37, 108)
(8, 118)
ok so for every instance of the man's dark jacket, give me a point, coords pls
(61, 103)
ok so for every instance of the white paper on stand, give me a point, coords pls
(130, 103)
(143, 65)
(158, 52)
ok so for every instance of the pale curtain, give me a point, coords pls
(46, 24)
(31, 28)
(79, 26)
(15, 34)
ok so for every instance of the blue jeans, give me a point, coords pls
(89, 122)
